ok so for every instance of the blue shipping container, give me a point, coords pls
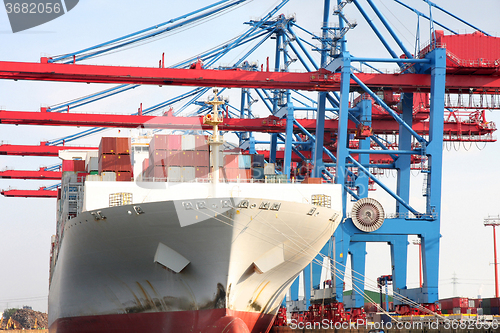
(244, 161)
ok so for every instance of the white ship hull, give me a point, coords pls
(184, 265)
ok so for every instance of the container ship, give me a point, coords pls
(179, 234)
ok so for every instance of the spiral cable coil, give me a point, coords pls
(367, 214)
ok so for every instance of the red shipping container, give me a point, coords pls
(174, 142)
(81, 176)
(231, 161)
(494, 302)
(201, 158)
(68, 165)
(166, 142)
(186, 157)
(123, 163)
(202, 172)
(230, 173)
(245, 173)
(201, 142)
(123, 146)
(160, 172)
(123, 176)
(446, 304)
(158, 142)
(158, 157)
(79, 165)
(107, 146)
(107, 162)
(145, 164)
(149, 171)
(172, 158)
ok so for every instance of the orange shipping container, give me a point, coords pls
(245, 173)
(123, 146)
(231, 161)
(123, 176)
(108, 162)
(123, 163)
(107, 146)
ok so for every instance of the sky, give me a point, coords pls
(470, 177)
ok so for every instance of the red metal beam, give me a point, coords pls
(40, 193)
(314, 81)
(385, 124)
(41, 150)
(31, 174)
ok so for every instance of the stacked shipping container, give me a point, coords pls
(462, 305)
(177, 158)
(491, 306)
(114, 156)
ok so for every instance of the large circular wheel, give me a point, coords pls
(367, 214)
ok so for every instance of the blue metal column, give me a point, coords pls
(362, 179)
(342, 241)
(320, 114)
(434, 150)
(399, 259)
(358, 262)
(403, 163)
(343, 135)
(289, 137)
(342, 238)
(274, 136)
(358, 249)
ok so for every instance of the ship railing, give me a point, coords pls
(267, 180)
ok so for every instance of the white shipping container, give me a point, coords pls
(174, 174)
(93, 178)
(108, 176)
(92, 164)
(188, 174)
(269, 169)
(188, 142)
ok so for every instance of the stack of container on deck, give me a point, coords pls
(183, 158)
(245, 167)
(491, 306)
(114, 156)
(463, 305)
(177, 158)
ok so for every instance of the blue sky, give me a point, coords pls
(470, 178)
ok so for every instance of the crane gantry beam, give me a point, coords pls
(31, 174)
(40, 193)
(270, 124)
(40, 150)
(322, 80)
